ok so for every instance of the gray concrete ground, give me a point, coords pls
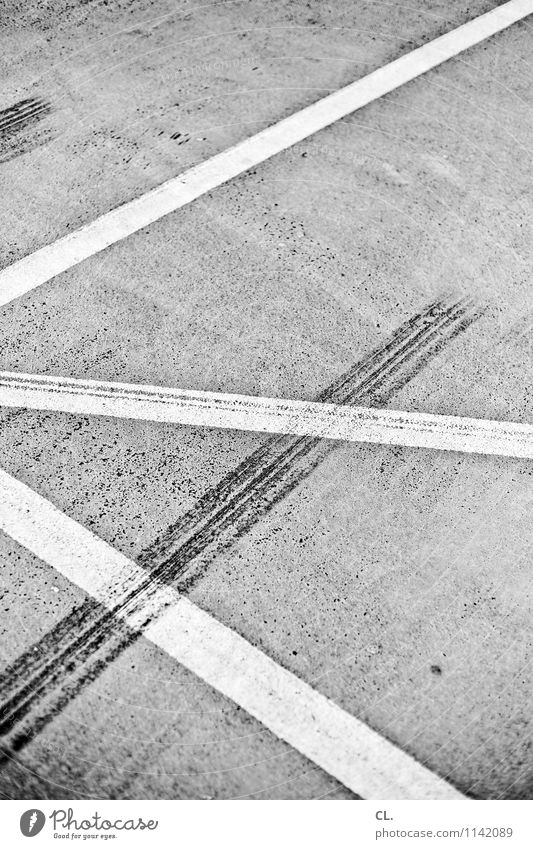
(397, 581)
(147, 729)
(122, 78)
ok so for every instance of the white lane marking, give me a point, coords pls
(47, 262)
(340, 744)
(267, 415)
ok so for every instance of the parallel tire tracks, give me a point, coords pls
(21, 114)
(46, 677)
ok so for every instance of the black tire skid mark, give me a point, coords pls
(94, 635)
(18, 125)
(16, 117)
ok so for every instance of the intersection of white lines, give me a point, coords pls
(346, 748)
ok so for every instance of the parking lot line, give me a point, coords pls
(90, 637)
(267, 415)
(68, 251)
(343, 746)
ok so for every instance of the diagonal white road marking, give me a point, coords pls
(340, 744)
(268, 415)
(46, 263)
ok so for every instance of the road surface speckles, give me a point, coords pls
(44, 679)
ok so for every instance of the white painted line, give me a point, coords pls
(340, 744)
(268, 415)
(46, 263)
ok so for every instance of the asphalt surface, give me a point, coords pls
(394, 580)
(121, 79)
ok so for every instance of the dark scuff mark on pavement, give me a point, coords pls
(44, 679)
(232, 507)
(181, 138)
(22, 114)
(18, 123)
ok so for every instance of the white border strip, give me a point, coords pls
(340, 744)
(268, 415)
(46, 263)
